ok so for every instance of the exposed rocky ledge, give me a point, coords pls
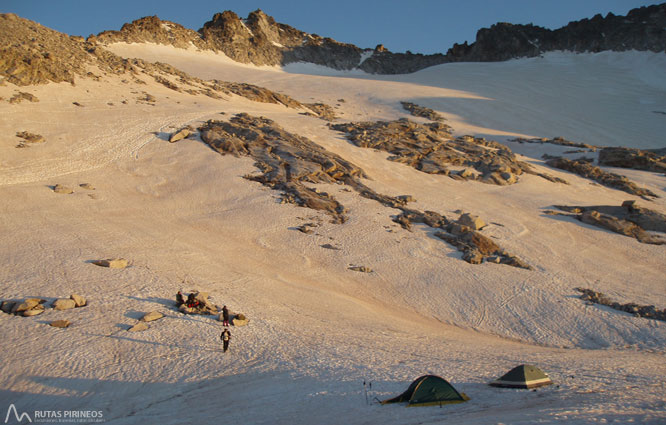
(422, 111)
(586, 169)
(647, 311)
(648, 160)
(628, 219)
(288, 162)
(432, 149)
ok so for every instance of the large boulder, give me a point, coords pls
(39, 309)
(239, 320)
(64, 304)
(78, 300)
(28, 304)
(471, 221)
(180, 135)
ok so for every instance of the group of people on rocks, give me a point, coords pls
(192, 302)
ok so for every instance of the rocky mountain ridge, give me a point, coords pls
(260, 40)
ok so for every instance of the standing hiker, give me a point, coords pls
(225, 316)
(225, 337)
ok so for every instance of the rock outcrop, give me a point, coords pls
(431, 148)
(422, 111)
(589, 171)
(647, 311)
(628, 219)
(288, 161)
(648, 160)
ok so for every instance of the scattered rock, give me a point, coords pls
(113, 263)
(21, 96)
(77, 104)
(329, 246)
(59, 188)
(471, 221)
(239, 320)
(180, 135)
(362, 269)
(28, 304)
(87, 186)
(78, 300)
(152, 316)
(7, 306)
(307, 228)
(60, 323)
(33, 312)
(64, 304)
(30, 137)
(138, 327)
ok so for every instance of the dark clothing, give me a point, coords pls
(192, 301)
(225, 337)
(225, 316)
(179, 299)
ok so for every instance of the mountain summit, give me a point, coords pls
(260, 40)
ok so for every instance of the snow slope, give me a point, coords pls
(318, 330)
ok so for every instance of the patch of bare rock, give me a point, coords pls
(647, 311)
(432, 149)
(559, 141)
(586, 169)
(638, 159)
(30, 137)
(628, 219)
(422, 111)
(288, 161)
(21, 96)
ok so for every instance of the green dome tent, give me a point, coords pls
(523, 376)
(429, 390)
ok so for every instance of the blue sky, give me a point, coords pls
(422, 26)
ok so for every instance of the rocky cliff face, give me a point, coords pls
(642, 29)
(262, 41)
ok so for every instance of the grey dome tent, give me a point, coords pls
(523, 376)
(429, 390)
